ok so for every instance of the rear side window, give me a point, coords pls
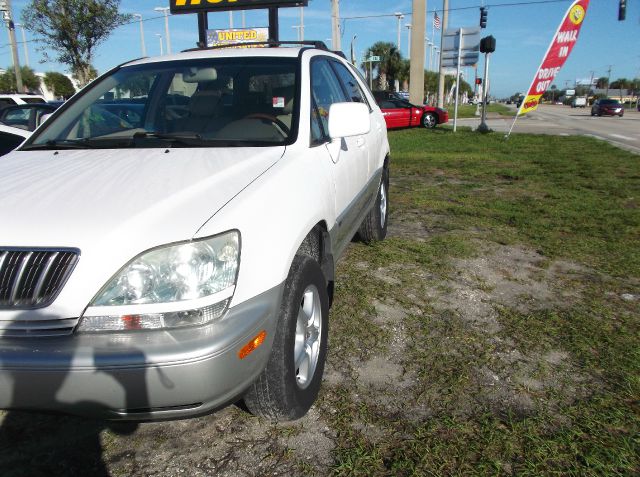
(29, 100)
(8, 142)
(7, 102)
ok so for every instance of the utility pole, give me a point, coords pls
(244, 20)
(408, 27)
(24, 44)
(445, 24)
(5, 7)
(335, 25)
(301, 23)
(165, 10)
(142, 45)
(416, 51)
(608, 79)
(230, 20)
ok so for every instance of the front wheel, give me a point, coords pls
(429, 120)
(289, 384)
(374, 225)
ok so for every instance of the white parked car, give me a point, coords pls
(169, 236)
(14, 99)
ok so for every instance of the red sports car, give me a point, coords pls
(400, 113)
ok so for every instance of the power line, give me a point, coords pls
(494, 5)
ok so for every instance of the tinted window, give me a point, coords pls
(8, 142)
(29, 100)
(325, 91)
(6, 102)
(350, 83)
(386, 104)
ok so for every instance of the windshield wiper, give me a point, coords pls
(174, 138)
(82, 143)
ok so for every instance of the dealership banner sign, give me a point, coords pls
(557, 54)
(237, 37)
(193, 6)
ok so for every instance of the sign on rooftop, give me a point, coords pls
(190, 6)
(237, 37)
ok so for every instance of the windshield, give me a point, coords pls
(211, 102)
(609, 101)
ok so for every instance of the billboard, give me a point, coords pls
(191, 6)
(237, 36)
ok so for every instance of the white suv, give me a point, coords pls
(169, 236)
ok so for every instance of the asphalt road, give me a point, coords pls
(564, 120)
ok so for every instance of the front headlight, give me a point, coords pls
(176, 285)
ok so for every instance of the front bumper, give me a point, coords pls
(147, 375)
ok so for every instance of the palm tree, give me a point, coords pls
(620, 83)
(390, 62)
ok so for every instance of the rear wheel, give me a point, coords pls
(374, 225)
(429, 120)
(289, 384)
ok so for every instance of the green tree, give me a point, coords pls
(390, 66)
(602, 83)
(621, 84)
(59, 84)
(73, 29)
(29, 79)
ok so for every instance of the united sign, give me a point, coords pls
(558, 52)
(191, 6)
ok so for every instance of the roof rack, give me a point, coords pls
(320, 45)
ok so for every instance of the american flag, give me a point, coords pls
(436, 21)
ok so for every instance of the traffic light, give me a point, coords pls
(488, 44)
(622, 10)
(478, 80)
(483, 17)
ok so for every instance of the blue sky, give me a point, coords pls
(523, 33)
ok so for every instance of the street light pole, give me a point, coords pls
(161, 44)
(408, 26)
(399, 16)
(301, 23)
(165, 10)
(142, 45)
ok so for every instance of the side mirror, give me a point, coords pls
(43, 118)
(348, 119)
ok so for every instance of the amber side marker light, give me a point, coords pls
(252, 345)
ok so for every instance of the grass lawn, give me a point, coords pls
(494, 332)
(469, 110)
(503, 311)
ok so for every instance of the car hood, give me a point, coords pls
(115, 204)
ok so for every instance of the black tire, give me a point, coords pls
(429, 120)
(278, 392)
(374, 225)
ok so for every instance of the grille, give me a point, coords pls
(37, 329)
(32, 278)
